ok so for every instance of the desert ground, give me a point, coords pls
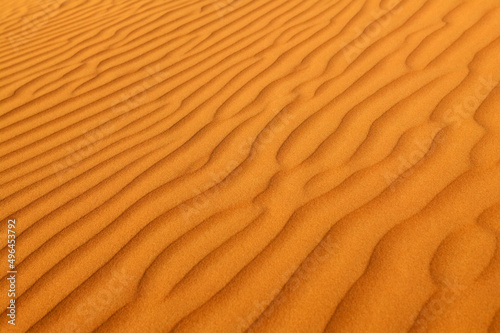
(267, 166)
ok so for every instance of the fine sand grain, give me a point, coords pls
(272, 166)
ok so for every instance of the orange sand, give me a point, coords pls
(251, 165)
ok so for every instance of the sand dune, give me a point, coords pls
(251, 165)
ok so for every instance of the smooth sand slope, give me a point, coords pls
(251, 165)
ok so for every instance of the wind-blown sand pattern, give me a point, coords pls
(251, 165)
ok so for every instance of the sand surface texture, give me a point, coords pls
(251, 165)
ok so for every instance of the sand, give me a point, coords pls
(251, 165)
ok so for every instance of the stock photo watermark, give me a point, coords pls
(219, 180)
(381, 18)
(224, 7)
(265, 308)
(126, 102)
(455, 115)
(30, 24)
(437, 306)
(92, 306)
(12, 271)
